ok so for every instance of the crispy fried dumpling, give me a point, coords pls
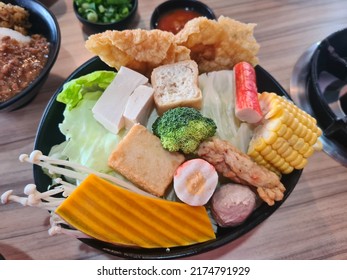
(218, 45)
(140, 50)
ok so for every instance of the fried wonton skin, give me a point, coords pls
(140, 50)
(218, 45)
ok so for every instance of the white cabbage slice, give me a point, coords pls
(219, 104)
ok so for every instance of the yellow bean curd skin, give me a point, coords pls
(112, 214)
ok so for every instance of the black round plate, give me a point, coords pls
(48, 134)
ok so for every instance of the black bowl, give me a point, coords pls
(172, 5)
(328, 77)
(43, 22)
(125, 23)
(48, 135)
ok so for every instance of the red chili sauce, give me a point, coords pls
(175, 20)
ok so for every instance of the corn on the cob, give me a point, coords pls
(287, 136)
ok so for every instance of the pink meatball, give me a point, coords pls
(231, 204)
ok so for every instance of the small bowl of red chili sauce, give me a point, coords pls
(172, 15)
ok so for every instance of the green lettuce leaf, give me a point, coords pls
(87, 142)
(74, 90)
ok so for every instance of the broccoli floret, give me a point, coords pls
(183, 129)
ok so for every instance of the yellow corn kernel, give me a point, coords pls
(293, 139)
(269, 166)
(275, 159)
(309, 152)
(288, 133)
(318, 131)
(275, 109)
(280, 163)
(252, 152)
(297, 160)
(313, 139)
(278, 144)
(302, 164)
(285, 146)
(305, 131)
(266, 150)
(304, 148)
(299, 144)
(304, 121)
(284, 116)
(291, 121)
(282, 130)
(255, 155)
(309, 135)
(269, 136)
(259, 144)
(267, 96)
(273, 125)
(287, 152)
(294, 124)
(271, 155)
(300, 130)
(288, 170)
(284, 166)
(291, 156)
(261, 161)
(309, 124)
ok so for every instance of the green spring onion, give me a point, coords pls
(103, 11)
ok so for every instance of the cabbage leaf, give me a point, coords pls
(87, 141)
(74, 90)
(219, 104)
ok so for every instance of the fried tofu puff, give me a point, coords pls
(218, 45)
(140, 50)
(213, 44)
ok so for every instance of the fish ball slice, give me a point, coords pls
(195, 181)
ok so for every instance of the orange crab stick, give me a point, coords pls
(247, 106)
(195, 181)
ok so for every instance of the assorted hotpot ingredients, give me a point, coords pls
(173, 144)
(22, 56)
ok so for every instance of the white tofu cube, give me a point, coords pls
(140, 105)
(110, 107)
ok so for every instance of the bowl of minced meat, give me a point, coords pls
(29, 46)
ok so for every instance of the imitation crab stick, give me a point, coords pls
(247, 106)
(195, 181)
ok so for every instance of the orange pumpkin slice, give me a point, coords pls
(112, 214)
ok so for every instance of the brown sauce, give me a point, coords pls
(175, 20)
(20, 63)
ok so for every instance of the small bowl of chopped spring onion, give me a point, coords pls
(101, 15)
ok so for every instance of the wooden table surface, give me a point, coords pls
(312, 222)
